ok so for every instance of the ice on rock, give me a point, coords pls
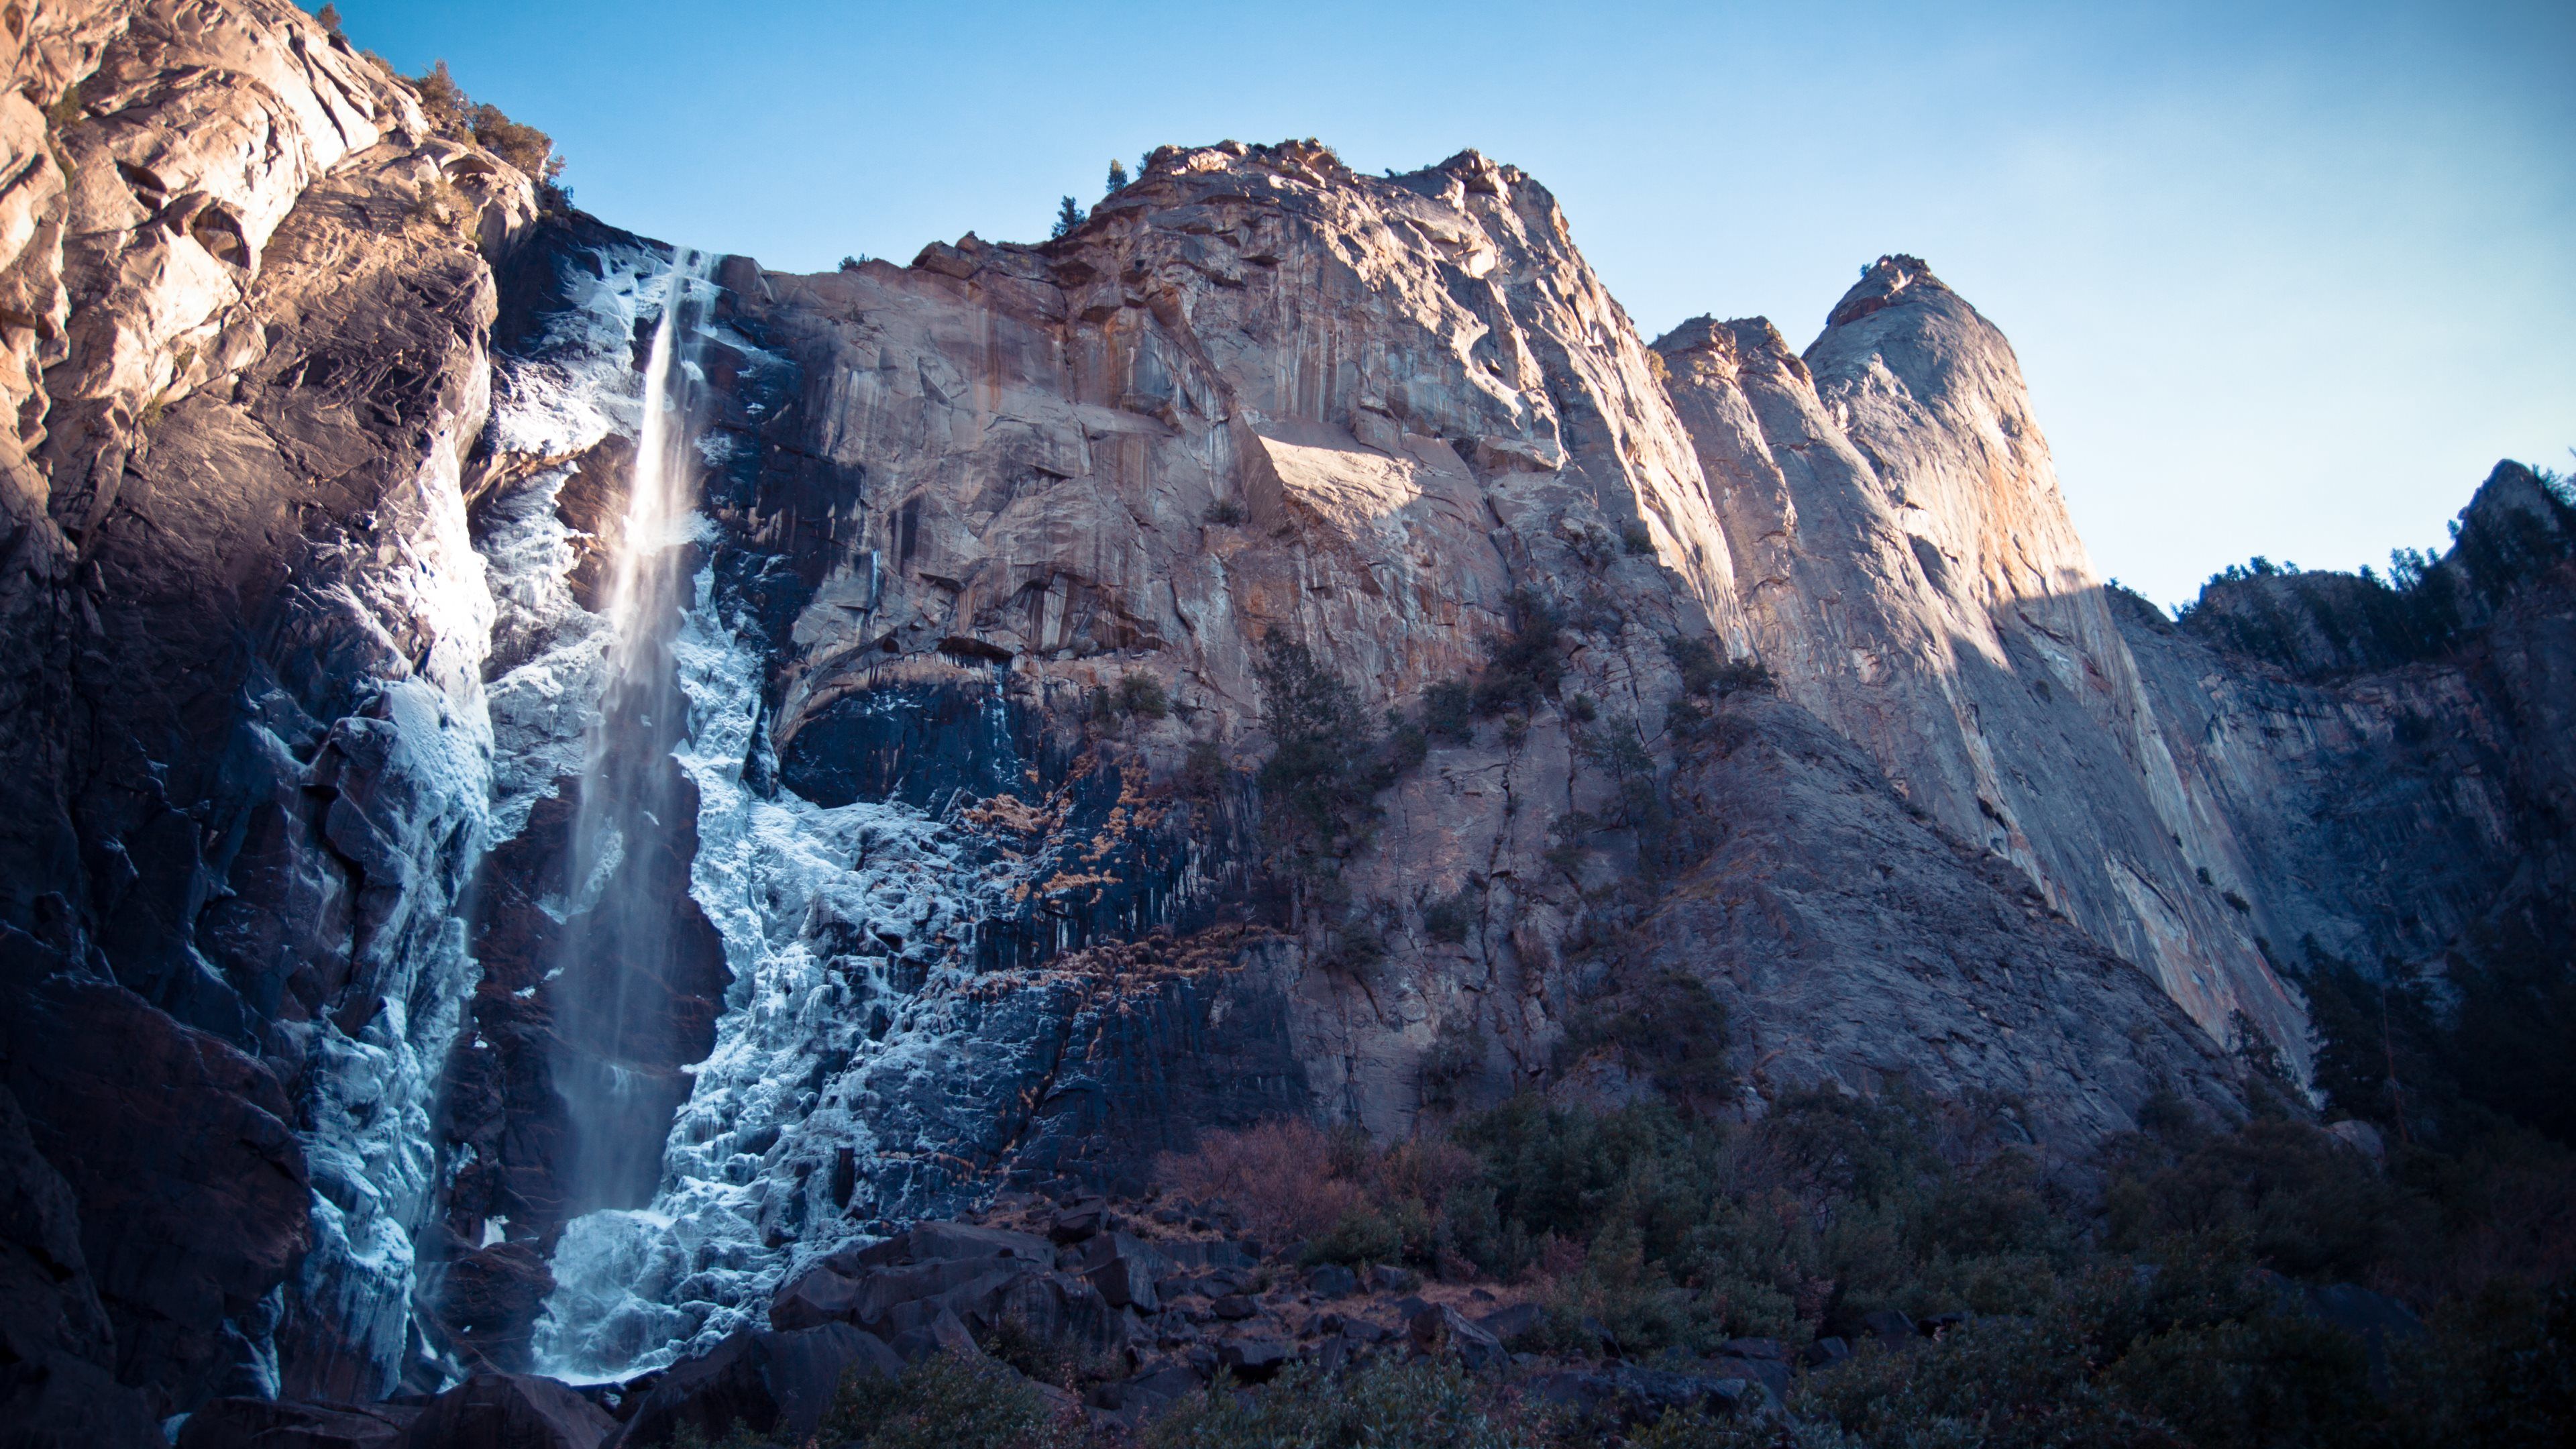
(805, 898)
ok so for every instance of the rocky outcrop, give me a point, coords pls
(247, 293)
(1913, 578)
(2393, 762)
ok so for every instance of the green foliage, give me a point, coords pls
(1386, 1404)
(2296, 1199)
(459, 117)
(1117, 175)
(1204, 773)
(1525, 664)
(1068, 216)
(1449, 711)
(1450, 918)
(1657, 1230)
(1138, 695)
(1670, 1029)
(946, 1401)
(1326, 766)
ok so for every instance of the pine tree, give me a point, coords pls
(1067, 217)
(1117, 174)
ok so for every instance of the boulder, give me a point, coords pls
(243, 1423)
(1771, 1374)
(1828, 1350)
(934, 1242)
(1123, 1269)
(1438, 1327)
(1511, 1322)
(509, 1411)
(1255, 1360)
(772, 1383)
(2375, 1318)
(1077, 1221)
(1332, 1280)
(1387, 1278)
(1233, 1308)
(943, 1333)
(1891, 1328)
(817, 1296)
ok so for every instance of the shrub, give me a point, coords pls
(1326, 765)
(1141, 694)
(1227, 512)
(1524, 665)
(1450, 918)
(1203, 770)
(1636, 540)
(459, 117)
(1449, 711)
(946, 1401)
(1069, 215)
(1280, 1174)
(1386, 1404)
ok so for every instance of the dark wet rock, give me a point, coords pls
(1123, 1268)
(1438, 1328)
(509, 1411)
(1332, 1280)
(1890, 1328)
(1256, 1360)
(1511, 1322)
(777, 1383)
(238, 1423)
(57, 1351)
(1078, 1221)
(192, 1187)
(930, 1242)
(1387, 1278)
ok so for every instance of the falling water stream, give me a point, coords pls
(617, 957)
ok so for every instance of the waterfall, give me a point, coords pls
(837, 934)
(619, 954)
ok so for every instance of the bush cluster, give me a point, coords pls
(459, 117)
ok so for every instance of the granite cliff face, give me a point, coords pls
(245, 760)
(1288, 646)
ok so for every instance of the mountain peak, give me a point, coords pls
(1884, 283)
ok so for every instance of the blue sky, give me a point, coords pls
(2286, 279)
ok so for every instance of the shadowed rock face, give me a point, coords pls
(242, 777)
(317, 470)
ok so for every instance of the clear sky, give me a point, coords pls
(2286, 279)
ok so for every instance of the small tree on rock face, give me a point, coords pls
(1117, 174)
(1067, 217)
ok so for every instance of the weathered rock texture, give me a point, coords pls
(319, 457)
(245, 767)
